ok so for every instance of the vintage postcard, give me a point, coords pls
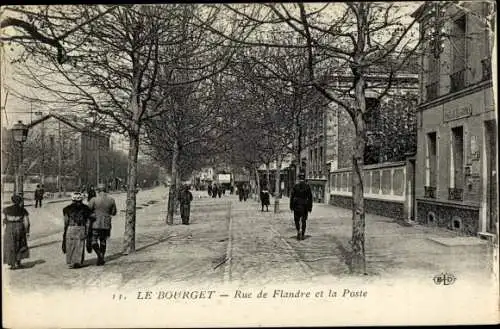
(247, 165)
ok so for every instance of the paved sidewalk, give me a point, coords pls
(234, 242)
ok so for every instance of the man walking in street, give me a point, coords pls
(301, 205)
(185, 198)
(104, 207)
(39, 191)
(77, 221)
(90, 193)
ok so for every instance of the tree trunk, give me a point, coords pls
(130, 212)
(172, 193)
(257, 186)
(358, 264)
(298, 167)
(268, 174)
(277, 184)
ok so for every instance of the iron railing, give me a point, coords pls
(457, 81)
(430, 192)
(455, 194)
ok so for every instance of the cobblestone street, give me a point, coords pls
(230, 241)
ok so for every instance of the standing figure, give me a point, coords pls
(104, 207)
(185, 198)
(209, 188)
(16, 232)
(77, 221)
(219, 190)
(39, 191)
(301, 205)
(241, 192)
(90, 193)
(265, 198)
(246, 191)
(214, 190)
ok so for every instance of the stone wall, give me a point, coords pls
(460, 218)
(391, 209)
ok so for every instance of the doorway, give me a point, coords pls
(491, 176)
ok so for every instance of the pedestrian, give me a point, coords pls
(219, 190)
(209, 188)
(241, 192)
(90, 193)
(104, 207)
(265, 198)
(301, 205)
(77, 222)
(16, 232)
(185, 198)
(246, 191)
(39, 191)
(214, 190)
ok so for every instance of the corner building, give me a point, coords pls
(456, 165)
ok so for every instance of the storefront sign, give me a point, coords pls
(450, 114)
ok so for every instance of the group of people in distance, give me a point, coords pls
(85, 227)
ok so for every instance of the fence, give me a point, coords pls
(387, 189)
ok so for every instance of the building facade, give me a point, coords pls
(456, 164)
(67, 153)
(329, 136)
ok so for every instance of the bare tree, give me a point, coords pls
(343, 40)
(49, 25)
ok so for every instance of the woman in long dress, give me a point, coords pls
(17, 228)
(77, 218)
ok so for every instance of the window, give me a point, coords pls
(432, 87)
(321, 161)
(459, 54)
(431, 166)
(457, 164)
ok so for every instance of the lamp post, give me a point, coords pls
(19, 135)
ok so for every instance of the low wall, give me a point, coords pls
(464, 219)
(386, 186)
(392, 209)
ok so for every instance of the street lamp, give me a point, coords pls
(19, 135)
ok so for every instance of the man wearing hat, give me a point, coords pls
(104, 207)
(77, 220)
(301, 205)
(185, 197)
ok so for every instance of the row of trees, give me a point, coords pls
(194, 81)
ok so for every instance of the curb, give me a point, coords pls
(51, 201)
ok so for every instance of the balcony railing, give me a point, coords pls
(457, 80)
(432, 91)
(455, 194)
(486, 63)
(430, 192)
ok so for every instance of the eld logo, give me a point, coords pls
(444, 279)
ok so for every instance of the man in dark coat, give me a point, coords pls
(214, 191)
(90, 193)
(301, 205)
(104, 207)
(77, 221)
(39, 191)
(265, 198)
(185, 198)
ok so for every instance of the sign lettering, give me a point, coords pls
(451, 114)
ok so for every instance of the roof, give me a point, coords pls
(73, 121)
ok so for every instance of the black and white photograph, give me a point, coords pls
(249, 164)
